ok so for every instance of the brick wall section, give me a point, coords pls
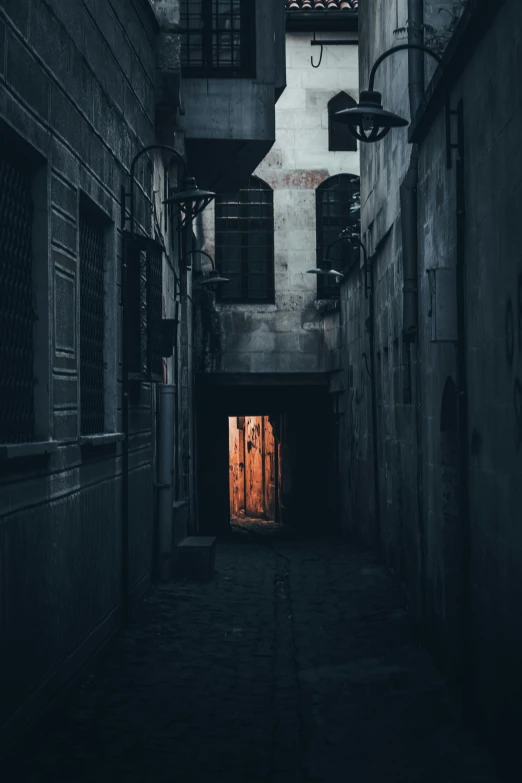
(77, 83)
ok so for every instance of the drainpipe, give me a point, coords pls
(466, 672)
(369, 270)
(408, 197)
(166, 400)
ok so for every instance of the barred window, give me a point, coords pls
(245, 243)
(339, 137)
(17, 317)
(337, 205)
(217, 37)
(92, 322)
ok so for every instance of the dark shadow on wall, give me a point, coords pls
(448, 599)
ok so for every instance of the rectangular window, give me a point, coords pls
(17, 314)
(92, 321)
(337, 202)
(218, 38)
(245, 243)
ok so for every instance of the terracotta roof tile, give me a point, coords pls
(322, 5)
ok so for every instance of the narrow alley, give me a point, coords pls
(260, 391)
(297, 663)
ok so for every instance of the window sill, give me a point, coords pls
(104, 439)
(21, 450)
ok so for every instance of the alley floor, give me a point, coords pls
(297, 663)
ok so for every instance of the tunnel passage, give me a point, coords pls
(265, 450)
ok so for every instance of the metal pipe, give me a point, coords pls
(462, 385)
(416, 73)
(135, 159)
(373, 395)
(409, 228)
(408, 199)
(125, 610)
(413, 47)
(166, 400)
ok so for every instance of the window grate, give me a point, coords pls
(16, 305)
(144, 340)
(217, 37)
(92, 323)
(245, 243)
(337, 203)
(154, 302)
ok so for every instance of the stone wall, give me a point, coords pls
(77, 95)
(289, 335)
(463, 577)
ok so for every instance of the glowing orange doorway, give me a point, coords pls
(254, 465)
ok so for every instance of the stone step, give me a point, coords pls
(195, 558)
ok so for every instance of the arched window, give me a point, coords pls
(339, 137)
(245, 243)
(337, 208)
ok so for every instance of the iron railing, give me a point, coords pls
(92, 323)
(17, 315)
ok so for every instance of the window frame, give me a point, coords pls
(34, 166)
(247, 46)
(342, 100)
(110, 322)
(243, 202)
(330, 291)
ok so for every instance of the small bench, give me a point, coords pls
(195, 558)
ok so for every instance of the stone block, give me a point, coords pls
(195, 558)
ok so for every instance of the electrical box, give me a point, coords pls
(443, 304)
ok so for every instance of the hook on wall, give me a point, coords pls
(316, 43)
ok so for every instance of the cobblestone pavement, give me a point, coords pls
(297, 663)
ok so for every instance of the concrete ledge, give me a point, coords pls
(195, 559)
(20, 450)
(104, 439)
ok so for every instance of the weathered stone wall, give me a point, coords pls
(289, 335)
(422, 535)
(77, 85)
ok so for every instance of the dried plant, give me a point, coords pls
(438, 38)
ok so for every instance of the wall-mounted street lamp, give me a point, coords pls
(346, 235)
(369, 122)
(215, 279)
(324, 269)
(190, 200)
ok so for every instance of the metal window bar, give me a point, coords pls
(16, 305)
(337, 202)
(92, 323)
(245, 243)
(217, 37)
(144, 342)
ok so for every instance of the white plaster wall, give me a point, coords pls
(288, 336)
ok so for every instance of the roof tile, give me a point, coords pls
(322, 5)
